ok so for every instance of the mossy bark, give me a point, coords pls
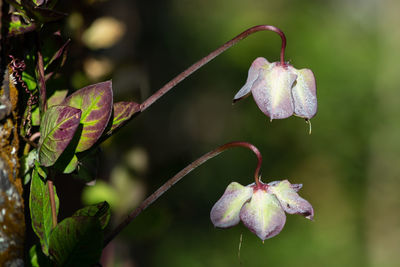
(12, 222)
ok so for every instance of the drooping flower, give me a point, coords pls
(260, 207)
(280, 90)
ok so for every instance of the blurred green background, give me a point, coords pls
(349, 166)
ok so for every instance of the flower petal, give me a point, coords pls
(295, 187)
(255, 67)
(305, 94)
(272, 91)
(225, 213)
(291, 202)
(263, 215)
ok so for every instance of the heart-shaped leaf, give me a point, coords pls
(100, 210)
(96, 102)
(123, 111)
(57, 129)
(40, 209)
(76, 241)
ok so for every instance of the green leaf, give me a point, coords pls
(40, 209)
(28, 161)
(37, 258)
(123, 111)
(100, 210)
(19, 26)
(40, 13)
(41, 171)
(57, 129)
(35, 119)
(29, 80)
(57, 60)
(57, 98)
(88, 166)
(71, 166)
(96, 102)
(76, 241)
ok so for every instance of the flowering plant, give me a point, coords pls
(280, 90)
(61, 131)
(261, 207)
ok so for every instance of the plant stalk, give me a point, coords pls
(171, 84)
(167, 185)
(52, 203)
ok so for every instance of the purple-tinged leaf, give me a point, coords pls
(57, 98)
(40, 210)
(76, 241)
(263, 215)
(57, 61)
(225, 213)
(57, 129)
(41, 82)
(16, 4)
(47, 15)
(61, 53)
(96, 102)
(123, 111)
(18, 25)
(290, 201)
(40, 13)
(38, 2)
(100, 210)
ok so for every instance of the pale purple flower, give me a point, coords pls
(280, 91)
(261, 207)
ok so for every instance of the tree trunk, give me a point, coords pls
(12, 223)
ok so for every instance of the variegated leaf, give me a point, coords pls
(96, 102)
(57, 129)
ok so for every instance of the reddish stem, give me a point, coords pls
(171, 84)
(167, 185)
(41, 83)
(34, 136)
(52, 203)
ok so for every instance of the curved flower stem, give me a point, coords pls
(149, 101)
(167, 185)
